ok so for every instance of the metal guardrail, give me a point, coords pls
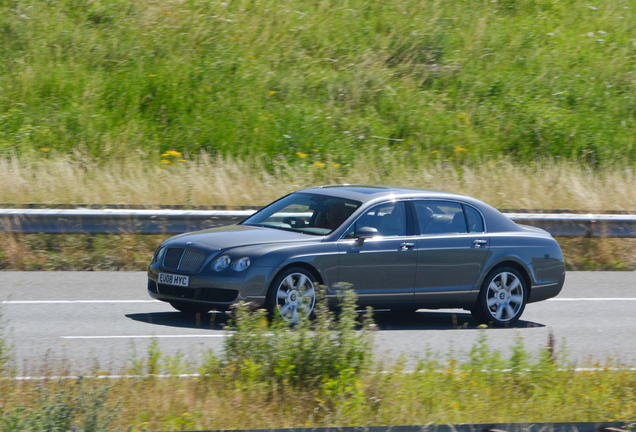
(136, 221)
(115, 221)
(580, 225)
(488, 427)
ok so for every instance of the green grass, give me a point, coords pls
(437, 81)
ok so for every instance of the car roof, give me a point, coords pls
(365, 193)
(368, 194)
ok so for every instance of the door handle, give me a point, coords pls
(406, 246)
(480, 242)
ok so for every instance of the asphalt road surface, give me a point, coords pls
(83, 322)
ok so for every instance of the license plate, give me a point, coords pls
(171, 279)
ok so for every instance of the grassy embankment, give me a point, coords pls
(270, 376)
(298, 93)
(470, 97)
(321, 81)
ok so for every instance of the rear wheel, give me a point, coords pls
(292, 295)
(502, 298)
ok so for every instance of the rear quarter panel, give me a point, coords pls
(539, 255)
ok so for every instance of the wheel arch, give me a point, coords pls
(311, 269)
(523, 271)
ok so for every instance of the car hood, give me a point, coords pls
(237, 236)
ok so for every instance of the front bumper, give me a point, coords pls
(215, 292)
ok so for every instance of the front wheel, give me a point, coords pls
(292, 295)
(502, 298)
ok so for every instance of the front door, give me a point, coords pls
(381, 269)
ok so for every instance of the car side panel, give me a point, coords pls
(449, 266)
(539, 256)
(322, 257)
(381, 270)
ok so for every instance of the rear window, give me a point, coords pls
(440, 217)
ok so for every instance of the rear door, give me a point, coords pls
(451, 249)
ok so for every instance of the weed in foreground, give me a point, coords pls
(241, 389)
(328, 353)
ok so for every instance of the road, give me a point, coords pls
(83, 322)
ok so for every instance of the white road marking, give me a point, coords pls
(145, 336)
(595, 299)
(75, 301)
(196, 375)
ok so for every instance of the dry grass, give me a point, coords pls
(232, 182)
(256, 181)
(35, 252)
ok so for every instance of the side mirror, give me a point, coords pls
(365, 232)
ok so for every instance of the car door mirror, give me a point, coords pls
(365, 232)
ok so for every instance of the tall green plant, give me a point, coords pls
(308, 355)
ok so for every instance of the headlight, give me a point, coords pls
(158, 254)
(241, 264)
(221, 263)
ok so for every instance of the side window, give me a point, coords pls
(475, 222)
(440, 217)
(389, 219)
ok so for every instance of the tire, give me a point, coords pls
(502, 298)
(189, 309)
(292, 295)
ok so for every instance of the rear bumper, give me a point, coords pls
(545, 291)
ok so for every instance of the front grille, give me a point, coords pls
(173, 258)
(185, 260)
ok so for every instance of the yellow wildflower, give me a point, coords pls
(465, 118)
(273, 92)
(152, 75)
(173, 153)
(165, 162)
(302, 155)
(45, 149)
(460, 149)
(336, 165)
(319, 164)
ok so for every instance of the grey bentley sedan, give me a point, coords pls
(399, 248)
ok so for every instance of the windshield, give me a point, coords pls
(303, 212)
